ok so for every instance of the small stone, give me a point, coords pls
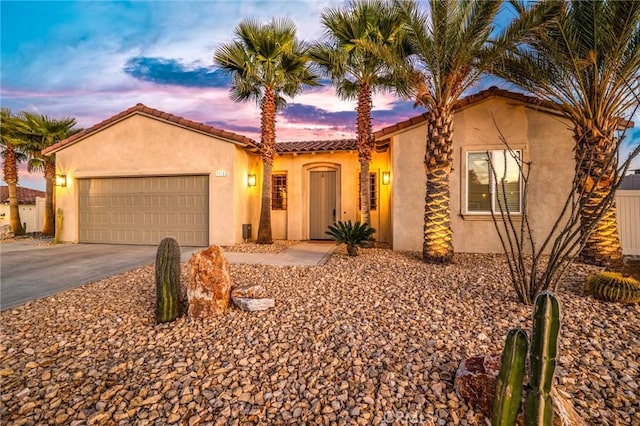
(252, 305)
(251, 291)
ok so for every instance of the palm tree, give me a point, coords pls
(589, 63)
(451, 48)
(12, 153)
(266, 62)
(353, 58)
(42, 132)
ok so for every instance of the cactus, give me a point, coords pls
(509, 382)
(538, 408)
(613, 287)
(167, 280)
(59, 217)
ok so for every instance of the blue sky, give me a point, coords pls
(93, 59)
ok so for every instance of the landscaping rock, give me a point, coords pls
(251, 291)
(209, 286)
(251, 305)
(475, 381)
(6, 232)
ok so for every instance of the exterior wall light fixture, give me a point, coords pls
(61, 180)
(251, 180)
(386, 178)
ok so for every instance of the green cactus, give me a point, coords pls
(509, 382)
(613, 287)
(167, 280)
(59, 217)
(538, 408)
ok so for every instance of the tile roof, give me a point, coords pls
(469, 100)
(145, 110)
(316, 146)
(25, 195)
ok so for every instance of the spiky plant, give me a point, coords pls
(167, 280)
(351, 234)
(613, 287)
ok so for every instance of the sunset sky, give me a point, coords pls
(93, 59)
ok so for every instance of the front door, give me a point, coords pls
(322, 203)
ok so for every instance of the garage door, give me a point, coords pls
(143, 210)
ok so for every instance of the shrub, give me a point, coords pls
(613, 287)
(351, 234)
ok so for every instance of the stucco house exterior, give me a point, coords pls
(30, 205)
(144, 174)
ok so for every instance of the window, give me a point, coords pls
(486, 188)
(278, 192)
(373, 195)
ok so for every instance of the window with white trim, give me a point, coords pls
(488, 189)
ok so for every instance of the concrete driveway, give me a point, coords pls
(29, 271)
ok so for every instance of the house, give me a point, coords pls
(30, 205)
(144, 174)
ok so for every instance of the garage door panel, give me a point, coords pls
(143, 210)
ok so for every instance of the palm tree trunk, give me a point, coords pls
(596, 169)
(268, 128)
(438, 246)
(11, 178)
(48, 225)
(365, 146)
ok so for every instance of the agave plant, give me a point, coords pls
(351, 234)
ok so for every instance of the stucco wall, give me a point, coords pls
(143, 146)
(30, 214)
(544, 139)
(294, 222)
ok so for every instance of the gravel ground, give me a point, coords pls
(276, 247)
(374, 339)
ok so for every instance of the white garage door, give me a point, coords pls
(143, 210)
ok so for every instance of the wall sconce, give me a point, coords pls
(61, 180)
(386, 178)
(251, 180)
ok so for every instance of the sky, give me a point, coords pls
(93, 59)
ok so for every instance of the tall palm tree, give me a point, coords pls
(353, 57)
(12, 154)
(266, 62)
(41, 132)
(452, 45)
(589, 62)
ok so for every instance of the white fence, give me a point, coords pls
(628, 214)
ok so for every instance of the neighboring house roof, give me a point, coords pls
(164, 116)
(631, 182)
(463, 103)
(316, 146)
(25, 195)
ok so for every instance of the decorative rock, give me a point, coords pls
(209, 286)
(252, 291)
(6, 232)
(475, 381)
(252, 305)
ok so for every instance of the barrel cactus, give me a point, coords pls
(167, 280)
(538, 408)
(614, 287)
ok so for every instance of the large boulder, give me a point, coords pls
(475, 382)
(209, 287)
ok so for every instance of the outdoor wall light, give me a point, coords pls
(61, 180)
(251, 180)
(386, 178)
